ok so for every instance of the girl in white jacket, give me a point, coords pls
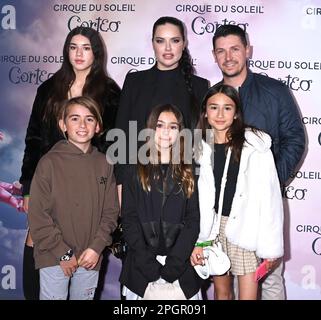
(251, 225)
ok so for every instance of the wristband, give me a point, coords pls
(204, 244)
(67, 256)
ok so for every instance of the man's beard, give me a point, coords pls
(235, 73)
(232, 75)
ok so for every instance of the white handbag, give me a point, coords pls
(163, 290)
(216, 262)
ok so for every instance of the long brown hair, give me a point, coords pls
(235, 134)
(181, 171)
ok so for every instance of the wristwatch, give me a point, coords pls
(67, 256)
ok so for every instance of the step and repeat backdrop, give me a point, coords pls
(285, 37)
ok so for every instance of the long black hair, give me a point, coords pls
(185, 63)
(97, 85)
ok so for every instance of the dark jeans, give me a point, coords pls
(30, 276)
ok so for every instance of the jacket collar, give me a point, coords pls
(248, 79)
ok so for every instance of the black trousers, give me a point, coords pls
(30, 276)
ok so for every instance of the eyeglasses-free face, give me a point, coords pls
(80, 125)
(81, 56)
(220, 114)
(167, 130)
(168, 45)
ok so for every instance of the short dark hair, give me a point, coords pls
(230, 29)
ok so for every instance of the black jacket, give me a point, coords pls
(157, 223)
(140, 95)
(41, 136)
(268, 105)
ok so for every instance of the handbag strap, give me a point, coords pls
(221, 198)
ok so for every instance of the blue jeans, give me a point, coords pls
(54, 284)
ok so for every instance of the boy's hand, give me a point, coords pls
(69, 267)
(88, 259)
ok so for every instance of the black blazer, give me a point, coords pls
(138, 99)
(149, 217)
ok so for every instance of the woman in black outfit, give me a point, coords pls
(170, 80)
(82, 73)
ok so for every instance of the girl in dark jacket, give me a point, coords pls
(82, 73)
(160, 215)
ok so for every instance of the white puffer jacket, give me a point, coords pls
(256, 218)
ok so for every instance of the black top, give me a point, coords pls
(144, 90)
(165, 90)
(164, 86)
(219, 155)
(162, 250)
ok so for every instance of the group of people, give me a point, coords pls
(251, 141)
